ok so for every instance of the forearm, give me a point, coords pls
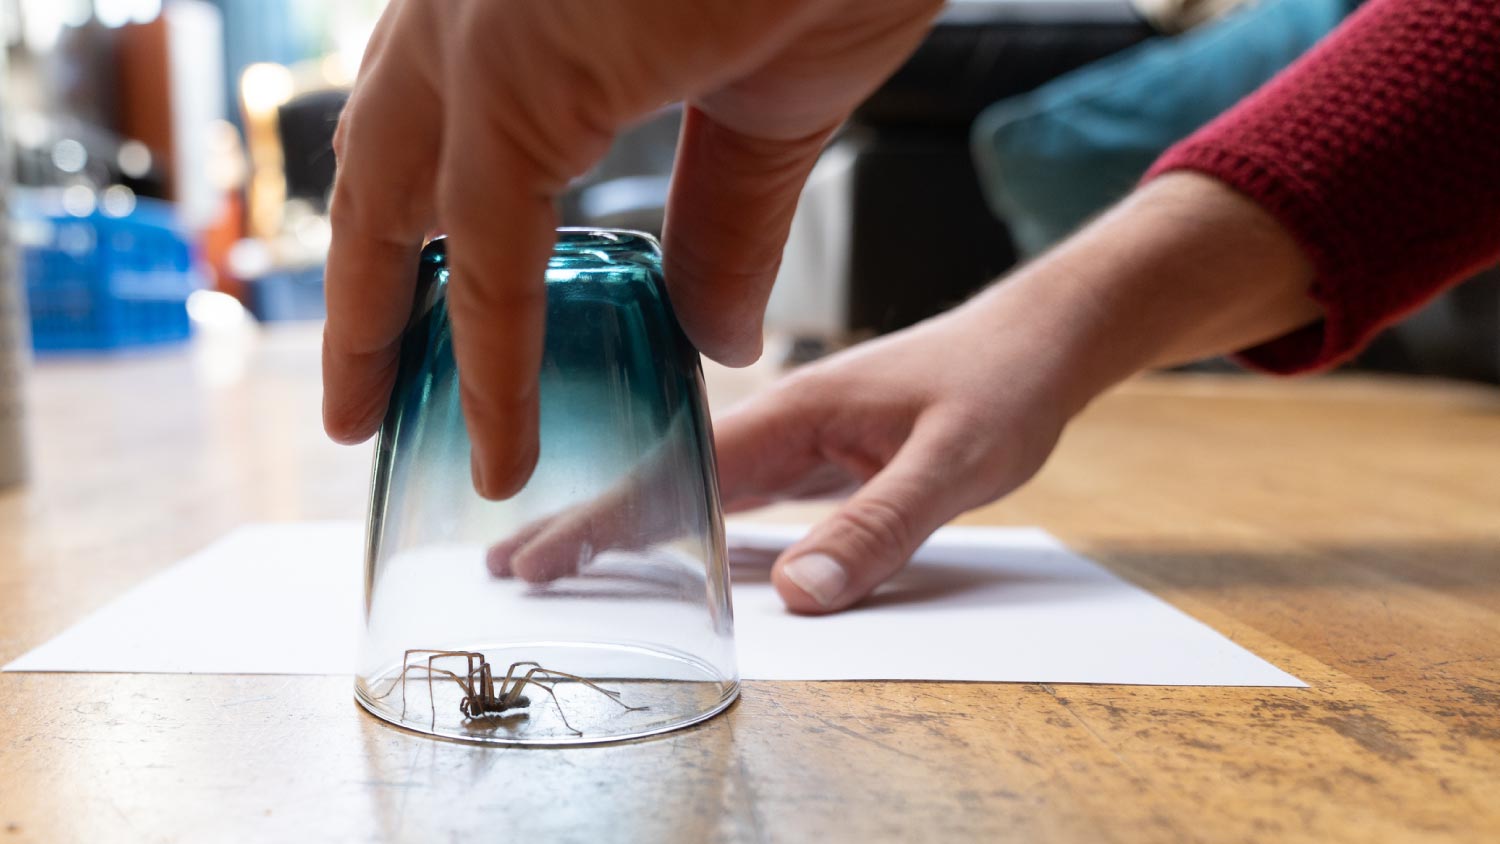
(1184, 268)
(1377, 153)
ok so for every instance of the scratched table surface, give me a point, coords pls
(1347, 529)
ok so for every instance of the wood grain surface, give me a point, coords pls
(1347, 529)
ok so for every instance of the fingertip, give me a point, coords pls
(497, 559)
(723, 317)
(350, 428)
(795, 600)
(518, 475)
(736, 351)
(811, 585)
(348, 436)
(356, 390)
(499, 479)
(537, 563)
(499, 556)
(503, 452)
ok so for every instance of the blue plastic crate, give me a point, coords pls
(99, 282)
(290, 293)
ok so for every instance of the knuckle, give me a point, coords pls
(341, 136)
(352, 212)
(806, 400)
(365, 232)
(876, 525)
(987, 456)
(559, 116)
(968, 452)
(389, 205)
(965, 440)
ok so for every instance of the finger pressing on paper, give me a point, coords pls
(874, 533)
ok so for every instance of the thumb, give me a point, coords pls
(874, 533)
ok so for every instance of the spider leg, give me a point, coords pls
(482, 690)
(487, 681)
(508, 693)
(401, 678)
(521, 683)
(610, 693)
(468, 687)
(407, 665)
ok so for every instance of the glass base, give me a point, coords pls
(616, 693)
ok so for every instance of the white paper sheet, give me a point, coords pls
(981, 604)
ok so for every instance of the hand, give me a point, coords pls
(916, 433)
(915, 429)
(471, 116)
(963, 409)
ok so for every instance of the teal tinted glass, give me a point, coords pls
(606, 573)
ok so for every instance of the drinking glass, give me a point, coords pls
(593, 605)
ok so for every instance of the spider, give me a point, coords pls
(481, 698)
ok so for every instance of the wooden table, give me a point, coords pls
(1346, 529)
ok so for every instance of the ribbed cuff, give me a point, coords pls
(1333, 252)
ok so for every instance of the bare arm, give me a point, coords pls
(1185, 268)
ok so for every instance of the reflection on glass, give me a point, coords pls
(592, 606)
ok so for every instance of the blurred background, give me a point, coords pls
(169, 164)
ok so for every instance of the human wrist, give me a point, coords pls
(1184, 268)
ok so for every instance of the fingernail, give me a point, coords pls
(819, 575)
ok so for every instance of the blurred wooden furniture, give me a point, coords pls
(1347, 530)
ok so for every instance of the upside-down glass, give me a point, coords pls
(607, 570)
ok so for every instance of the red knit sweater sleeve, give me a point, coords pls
(1380, 152)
